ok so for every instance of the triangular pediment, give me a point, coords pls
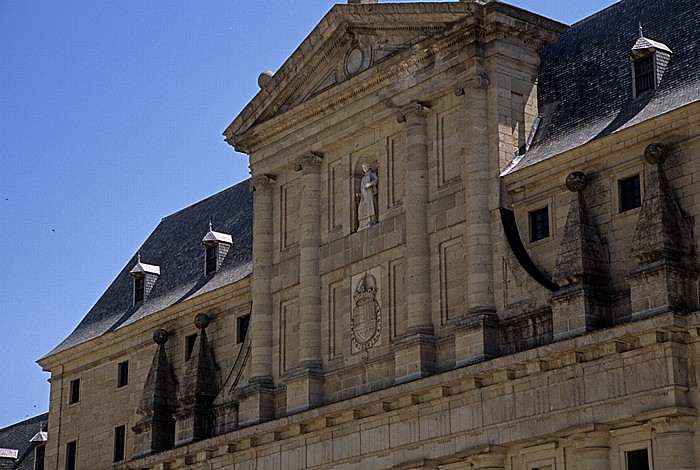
(345, 46)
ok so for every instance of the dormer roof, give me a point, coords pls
(646, 44)
(40, 437)
(216, 237)
(141, 269)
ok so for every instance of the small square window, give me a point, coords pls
(123, 374)
(211, 259)
(189, 346)
(637, 459)
(630, 194)
(243, 324)
(539, 224)
(119, 441)
(139, 289)
(71, 455)
(74, 392)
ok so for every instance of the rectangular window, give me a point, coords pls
(123, 374)
(39, 453)
(637, 459)
(644, 74)
(243, 323)
(139, 289)
(211, 256)
(539, 224)
(189, 346)
(71, 455)
(74, 392)
(119, 440)
(630, 195)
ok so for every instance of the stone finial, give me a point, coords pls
(202, 321)
(576, 182)
(656, 153)
(265, 77)
(160, 336)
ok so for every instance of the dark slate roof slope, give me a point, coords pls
(585, 79)
(17, 436)
(176, 246)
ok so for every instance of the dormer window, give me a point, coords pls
(145, 276)
(649, 61)
(216, 247)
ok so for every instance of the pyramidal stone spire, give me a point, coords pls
(155, 431)
(581, 270)
(198, 389)
(664, 278)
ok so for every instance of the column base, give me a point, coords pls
(578, 309)
(414, 357)
(304, 389)
(476, 338)
(662, 286)
(257, 402)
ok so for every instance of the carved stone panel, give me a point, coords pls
(366, 314)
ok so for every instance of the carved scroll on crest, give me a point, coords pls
(366, 318)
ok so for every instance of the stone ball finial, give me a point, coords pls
(160, 336)
(576, 181)
(202, 321)
(265, 77)
(656, 153)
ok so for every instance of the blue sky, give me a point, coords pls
(111, 114)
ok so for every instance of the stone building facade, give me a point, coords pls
(468, 242)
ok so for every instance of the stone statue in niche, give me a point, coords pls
(366, 319)
(367, 198)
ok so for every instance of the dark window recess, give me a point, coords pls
(119, 440)
(638, 460)
(243, 323)
(189, 346)
(139, 289)
(74, 392)
(539, 224)
(71, 455)
(123, 374)
(630, 195)
(39, 452)
(211, 255)
(644, 74)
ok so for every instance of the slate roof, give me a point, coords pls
(586, 77)
(176, 247)
(17, 436)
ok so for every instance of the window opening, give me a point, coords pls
(539, 224)
(123, 374)
(119, 440)
(71, 454)
(139, 289)
(211, 256)
(243, 324)
(644, 74)
(630, 194)
(74, 392)
(638, 459)
(189, 346)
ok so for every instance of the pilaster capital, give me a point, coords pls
(480, 81)
(262, 181)
(414, 109)
(600, 438)
(307, 161)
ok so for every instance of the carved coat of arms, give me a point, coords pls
(366, 318)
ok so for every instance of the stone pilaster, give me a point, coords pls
(198, 389)
(581, 270)
(592, 450)
(415, 353)
(476, 335)
(673, 443)
(664, 278)
(257, 403)
(305, 383)
(155, 431)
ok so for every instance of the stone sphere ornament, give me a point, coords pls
(160, 336)
(576, 181)
(656, 153)
(265, 77)
(202, 321)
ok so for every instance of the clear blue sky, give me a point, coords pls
(111, 114)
